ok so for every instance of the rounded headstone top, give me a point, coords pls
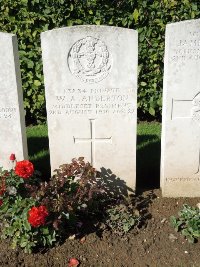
(89, 27)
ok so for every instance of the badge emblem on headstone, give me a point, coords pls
(89, 60)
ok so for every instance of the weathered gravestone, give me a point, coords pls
(91, 82)
(180, 157)
(12, 123)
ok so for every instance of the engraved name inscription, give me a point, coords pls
(187, 49)
(92, 102)
(89, 60)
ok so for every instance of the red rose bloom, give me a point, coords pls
(24, 169)
(12, 157)
(37, 216)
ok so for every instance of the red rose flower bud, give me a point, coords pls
(12, 157)
(73, 262)
(24, 169)
(37, 216)
(1, 202)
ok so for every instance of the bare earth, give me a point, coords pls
(155, 244)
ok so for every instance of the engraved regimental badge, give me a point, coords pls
(89, 60)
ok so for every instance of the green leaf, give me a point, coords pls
(143, 83)
(30, 64)
(136, 15)
(152, 111)
(23, 244)
(37, 83)
(45, 231)
(69, 23)
(97, 22)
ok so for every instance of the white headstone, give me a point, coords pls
(91, 88)
(12, 123)
(180, 157)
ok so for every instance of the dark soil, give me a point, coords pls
(155, 243)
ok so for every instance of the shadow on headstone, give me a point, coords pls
(114, 186)
(148, 162)
(38, 148)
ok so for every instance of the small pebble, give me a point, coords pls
(72, 237)
(172, 237)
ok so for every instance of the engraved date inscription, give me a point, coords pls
(101, 101)
(7, 112)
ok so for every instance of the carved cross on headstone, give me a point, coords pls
(187, 109)
(92, 140)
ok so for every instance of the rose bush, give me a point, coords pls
(37, 214)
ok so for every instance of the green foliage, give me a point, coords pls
(28, 18)
(122, 217)
(17, 198)
(68, 195)
(17, 228)
(188, 223)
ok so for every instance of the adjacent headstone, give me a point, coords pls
(180, 157)
(12, 123)
(91, 82)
